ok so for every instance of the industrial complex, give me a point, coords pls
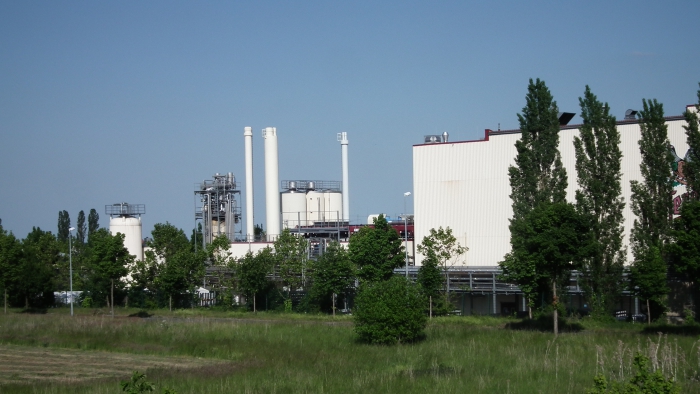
(463, 185)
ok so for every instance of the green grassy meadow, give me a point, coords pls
(194, 351)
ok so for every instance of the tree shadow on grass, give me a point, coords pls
(685, 329)
(142, 314)
(544, 324)
(34, 311)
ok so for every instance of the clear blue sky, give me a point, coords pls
(103, 102)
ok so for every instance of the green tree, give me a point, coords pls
(63, 226)
(537, 177)
(553, 237)
(430, 279)
(291, 253)
(93, 222)
(598, 165)
(178, 269)
(332, 274)
(10, 257)
(692, 165)
(442, 247)
(253, 271)
(108, 263)
(197, 237)
(225, 268)
(389, 311)
(34, 276)
(651, 203)
(684, 252)
(81, 228)
(376, 251)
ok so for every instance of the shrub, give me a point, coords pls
(390, 311)
(643, 382)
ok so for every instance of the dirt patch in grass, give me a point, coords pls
(21, 364)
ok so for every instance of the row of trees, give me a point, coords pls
(550, 237)
(31, 269)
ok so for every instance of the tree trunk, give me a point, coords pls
(26, 302)
(556, 309)
(333, 303)
(430, 307)
(112, 298)
(648, 313)
(254, 310)
(6, 301)
(170, 303)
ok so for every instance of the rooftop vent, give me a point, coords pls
(630, 114)
(433, 139)
(565, 118)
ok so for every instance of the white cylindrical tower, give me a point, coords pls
(293, 208)
(131, 228)
(249, 218)
(126, 219)
(343, 138)
(272, 196)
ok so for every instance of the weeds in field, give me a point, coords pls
(288, 353)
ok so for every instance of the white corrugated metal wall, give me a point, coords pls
(465, 186)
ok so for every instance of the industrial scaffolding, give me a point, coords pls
(217, 208)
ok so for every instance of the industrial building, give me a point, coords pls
(465, 185)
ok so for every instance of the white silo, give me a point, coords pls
(315, 204)
(293, 207)
(272, 197)
(249, 219)
(126, 219)
(333, 204)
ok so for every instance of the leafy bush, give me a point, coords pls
(643, 382)
(390, 311)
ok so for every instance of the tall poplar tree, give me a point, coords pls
(93, 222)
(538, 177)
(651, 203)
(63, 226)
(692, 166)
(598, 165)
(684, 252)
(81, 228)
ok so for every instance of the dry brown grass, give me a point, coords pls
(22, 364)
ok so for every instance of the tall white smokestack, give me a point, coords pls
(249, 219)
(272, 191)
(343, 138)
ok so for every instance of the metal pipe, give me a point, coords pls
(405, 230)
(70, 265)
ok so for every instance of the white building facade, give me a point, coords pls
(464, 185)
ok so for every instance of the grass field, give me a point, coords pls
(204, 352)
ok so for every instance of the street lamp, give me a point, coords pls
(405, 230)
(70, 266)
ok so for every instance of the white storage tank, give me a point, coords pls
(315, 204)
(333, 202)
(126, 219)
(293, 207)
(131, 228)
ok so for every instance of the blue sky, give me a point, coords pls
(104, 102)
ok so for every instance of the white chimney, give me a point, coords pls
(343, 138)
(272, 195)
(250, 220)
